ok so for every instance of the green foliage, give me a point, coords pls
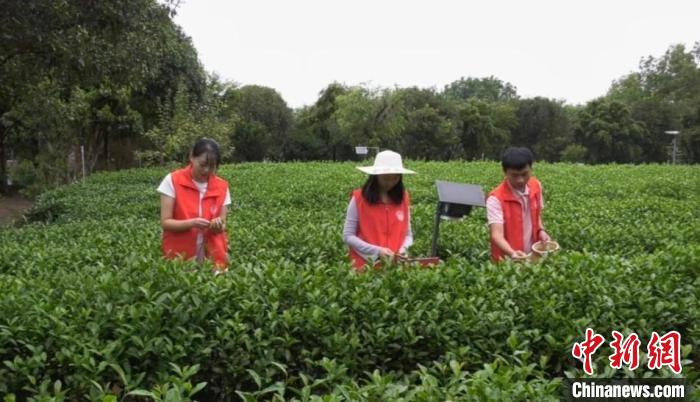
(431, 129)
(104, 42)
(123, 85)
(265, 120)
(609, 132)
(371, 117)
(184, 121)
(428, 135)
(177, 388)
(574, 153)
(543, 126)
(26, 176)
(489, 89)
(92, 76)
(664, 95)
(89, 304)
(485, 128)
(316, 133)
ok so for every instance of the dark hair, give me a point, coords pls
(209, 147)
(517, 158)
(370, 191)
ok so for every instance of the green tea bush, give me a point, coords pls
(90, 310)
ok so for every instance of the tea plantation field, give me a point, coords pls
(90, 311)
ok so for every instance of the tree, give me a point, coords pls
(665, 95)
(265, 119)
(543, 126)
(431, 127)
(316, 134)
(485, 128)
(94, 53)
(178, 70)
(489, 89)
(56, 117)
(184, 121)
(574, 153)
(607, 129)
(369, 117)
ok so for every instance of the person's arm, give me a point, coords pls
(494, 214)
(167, 222)
(218, 224)
(542, 233)
(501, 242)
(224, 214)
(350, 235)
(408, 241)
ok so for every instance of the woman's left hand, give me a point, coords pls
(217, 225)
(544, 236)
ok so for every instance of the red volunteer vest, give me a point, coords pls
(383, 225)
(513, 216)
(184, 244)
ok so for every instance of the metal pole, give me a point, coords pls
(675, 134)
(82, 158)
(675, 137)
(436, 229)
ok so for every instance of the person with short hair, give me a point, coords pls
(378, 218)
(193, 206)
(514, 208)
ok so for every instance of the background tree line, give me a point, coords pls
(111, 85)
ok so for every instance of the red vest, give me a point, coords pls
(383, 225)
(184, 244)
(513, 216)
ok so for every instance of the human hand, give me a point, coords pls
(544, 236)
(518, 254)
(385, 252)
(199, 223)
(216, 225)
(220, 271)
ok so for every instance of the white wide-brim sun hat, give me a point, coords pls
(386, 162)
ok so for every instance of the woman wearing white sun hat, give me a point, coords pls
(378, 220)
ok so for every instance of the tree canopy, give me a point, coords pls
(121, 84)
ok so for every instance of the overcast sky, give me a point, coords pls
(569, 50)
